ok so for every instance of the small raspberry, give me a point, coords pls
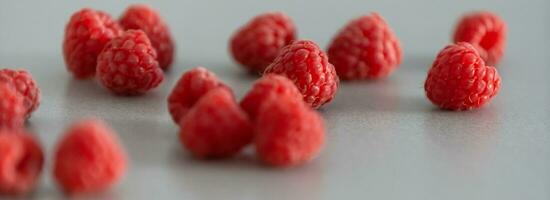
(484, 30)
(148, 20)
(25, 85)
(307, 66)
(460, 80)
(365, 48)
(256, 44)
(192, 85)
(215, 127)
(128, 64)
(85, 35)
(21, 161)
(12, 109)
(88, 158)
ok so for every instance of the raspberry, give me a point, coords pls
(128, 64)
(85, 35)
(365, 48)
(21, 161)
(25, 85)
(12, 109)
(257, 43)
(192, 85)
(460, 80)
(144, 18)
(88, 158)
(307, 66)
(484, 30)
(215, 127)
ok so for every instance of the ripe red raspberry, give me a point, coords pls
(192, 85)
(148, 20)
(307, 66)
(25, 85)
(460, 80)
(365, 48)
(12, 109)
(215, 127)
(484, 30)
(128, 64)
(88, 158)
(21, 161)
(85, 35)
(256, 44)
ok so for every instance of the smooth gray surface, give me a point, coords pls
(384, 140)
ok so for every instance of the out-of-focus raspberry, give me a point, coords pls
(25, 85)
(12, 109)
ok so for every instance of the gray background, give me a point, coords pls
(384, 139)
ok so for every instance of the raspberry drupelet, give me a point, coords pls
(23, 82)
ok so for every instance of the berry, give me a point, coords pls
(365, 48)
(215, 127)
(256, 44)
(307, 66)
(12, 109)
(85, 35)
(484, 30)
(88, 158)
(21, 161)
(460, 80)
(25, 85)
(192, 85)
(148, 20)
(128, 64)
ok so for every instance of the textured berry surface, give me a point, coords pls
(307, 66)
(25, 85)
(192, 85)
(88, 158)
(460, 80)
(85, 35)
(128, 64)
(365, 48)
(215, 127)
(484, 30)
(12, 109)
(148, 20)
(256, 44)
(21, 161)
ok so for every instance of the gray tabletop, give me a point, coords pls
(384, 139)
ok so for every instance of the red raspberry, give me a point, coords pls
(85, 35)
(25, 85)
(257, 43)
(21, 161)
(128, 64)
(484, 30)
(148, 20)
(192, 85)
(215, 127)
(365, 48)
(12, 109)
(88, 158)
(460, 80)
(307, 66)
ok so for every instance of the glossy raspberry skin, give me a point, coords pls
(85, 35)
(192, 85)
(148, 20)
(365, 48)
(25, 85)
(484, 30)
(307, 66)
(128, 64)
(88, 158)
(460, 80)
(215, 127)
(256, 44)
(12, 109)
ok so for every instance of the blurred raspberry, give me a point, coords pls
(25, 85)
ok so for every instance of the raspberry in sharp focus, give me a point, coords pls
(128, 64)
(460, 80)
(484, 30)
(307, 66)
(88, 158)
(148, 20)
(12, 109)
(365, 48)
(25, 85)
(85, 35)
(256, 44)
(215, 127)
